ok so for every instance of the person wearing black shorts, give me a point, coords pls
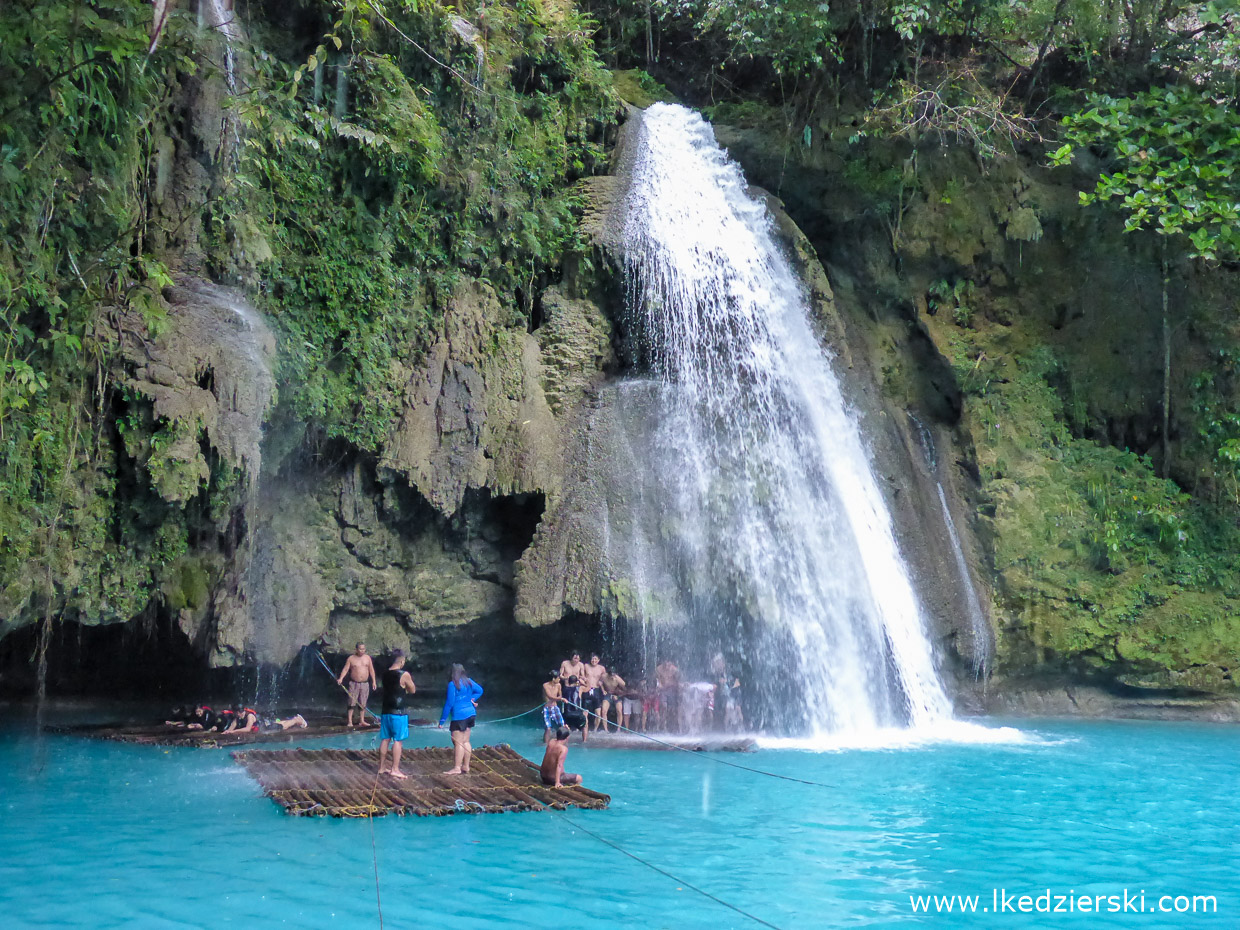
(574, 716)
(461, 705)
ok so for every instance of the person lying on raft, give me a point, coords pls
(180, 716)
(552, 769)
(217, 724)
(203, 718)
(244, 720)
(247, 720)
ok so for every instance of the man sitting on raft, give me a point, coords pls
(552, 769)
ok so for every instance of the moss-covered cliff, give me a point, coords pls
(389, 193)
(303, 335)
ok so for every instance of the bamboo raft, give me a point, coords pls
(162, 735)
(344, 783)
(670, 742)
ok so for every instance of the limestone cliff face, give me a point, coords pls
(475, 414)
(401, 550)
(209, 379)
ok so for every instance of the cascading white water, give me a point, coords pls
(753, 489)
(979, 630)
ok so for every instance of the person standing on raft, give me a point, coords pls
(361, 672)
(461, 705)
(394, 724)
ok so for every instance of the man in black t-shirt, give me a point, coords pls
(394, 723)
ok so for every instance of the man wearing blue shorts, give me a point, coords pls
(394, 723)
(552, 718)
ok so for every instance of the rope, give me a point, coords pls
(513, 717)
(374, 851)
(650, 865)
(708, 758)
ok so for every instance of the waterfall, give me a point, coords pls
(220, 17)
(977, 620)
(979, 629)
(749, 521)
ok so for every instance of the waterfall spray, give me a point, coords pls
(756, 503)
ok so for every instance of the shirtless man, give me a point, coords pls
(613, 687)
(592, 690)
(571, 667)
(552, 769)
(552, 691)
(667, 689)
(361, 672)
(553, 719)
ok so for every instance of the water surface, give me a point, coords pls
(110, 835)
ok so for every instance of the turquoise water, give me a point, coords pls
(107, 835)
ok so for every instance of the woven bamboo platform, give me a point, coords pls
(668, 742)
(341, 783)
(161, 735)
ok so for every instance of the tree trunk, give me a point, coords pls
(1166, 332)
(649, 36)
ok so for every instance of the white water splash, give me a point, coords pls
(757, 496)
(954, 732)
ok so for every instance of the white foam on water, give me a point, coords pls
(961, 732)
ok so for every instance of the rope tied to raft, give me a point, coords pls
(374, 851)
(708, 758)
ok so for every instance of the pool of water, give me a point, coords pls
(109, 835)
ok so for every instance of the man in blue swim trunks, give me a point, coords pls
(552, 718)
(394, 723)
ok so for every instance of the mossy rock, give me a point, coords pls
(188, 586)
(640, 89)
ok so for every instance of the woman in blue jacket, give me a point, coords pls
(461, 705)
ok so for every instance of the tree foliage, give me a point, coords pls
(1173, 164)
(370, 154)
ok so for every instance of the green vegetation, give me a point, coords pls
(359, 160)
(352, 162)
(1096, 555)
(80, 99)
(1108, 456)
(370, 217)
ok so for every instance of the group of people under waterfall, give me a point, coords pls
(460, 709)
(582, 695)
